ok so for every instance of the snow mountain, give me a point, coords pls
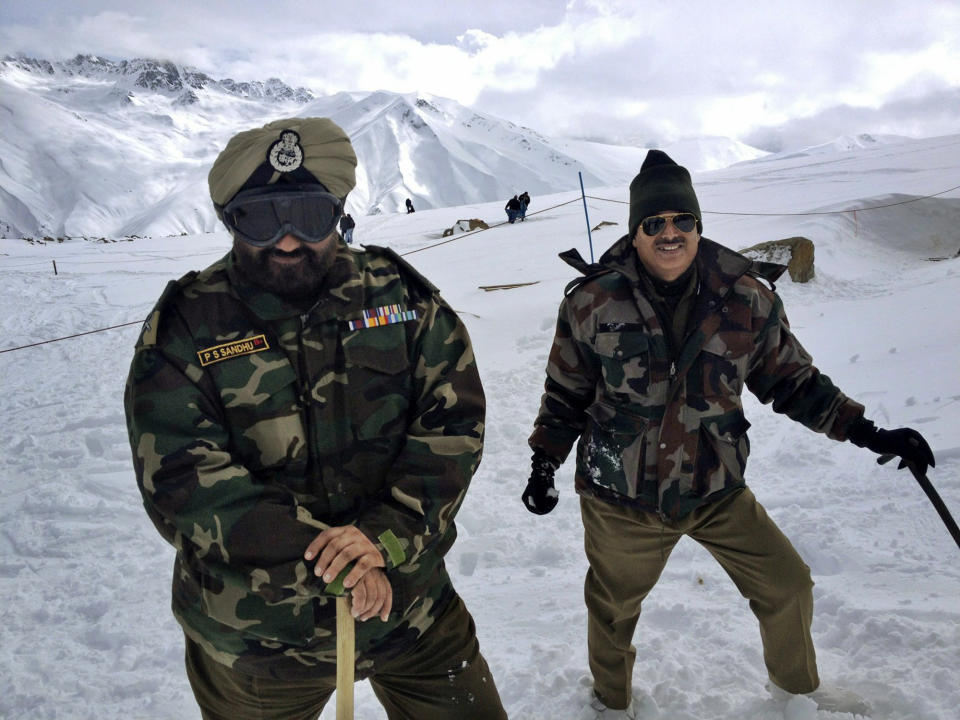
(97, 147)
(842, 144)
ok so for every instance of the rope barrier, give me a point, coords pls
(800, 214)
(12, 268)
(410, 252)
(553, 207)
(68, 337)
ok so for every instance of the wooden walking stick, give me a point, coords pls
(346, 658)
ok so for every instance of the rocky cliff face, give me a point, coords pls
(160, 76)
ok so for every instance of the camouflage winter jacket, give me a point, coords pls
(668, 434)
(255, 425)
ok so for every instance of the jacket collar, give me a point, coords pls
(719, 267)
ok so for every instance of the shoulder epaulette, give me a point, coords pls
(768, 271)
(151, 326)
(407, 268)
(577, 282)
(573, 258)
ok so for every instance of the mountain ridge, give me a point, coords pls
(156, 75)
(93, 144)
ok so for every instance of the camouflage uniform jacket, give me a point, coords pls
(255, 425)
(667, 433)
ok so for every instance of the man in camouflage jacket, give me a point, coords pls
(653, 348)
(299, 411)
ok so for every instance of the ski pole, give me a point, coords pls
(346, 658)
(932, 494)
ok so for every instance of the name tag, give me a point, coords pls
(247, 346)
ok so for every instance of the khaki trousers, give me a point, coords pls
(628, 549)
(443, 677)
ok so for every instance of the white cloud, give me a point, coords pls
(605, 68)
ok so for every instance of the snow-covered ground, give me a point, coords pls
(85, 627)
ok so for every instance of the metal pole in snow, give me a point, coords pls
(586, 215)
(55, 268)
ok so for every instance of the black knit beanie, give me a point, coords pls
(661, 185)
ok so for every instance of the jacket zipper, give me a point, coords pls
(305, 400)
(673, 352)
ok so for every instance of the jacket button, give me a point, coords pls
(663, 446)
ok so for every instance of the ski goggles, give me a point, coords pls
(655, 224)
(262, 216)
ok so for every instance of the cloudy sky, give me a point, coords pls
(768, 72)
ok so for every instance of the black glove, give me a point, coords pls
(541, 497)
(905, 443)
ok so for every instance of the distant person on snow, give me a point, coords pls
(409, 206)
(651, 354)
(347, 225)
(512, 209)
(299, 410)
(524, 204)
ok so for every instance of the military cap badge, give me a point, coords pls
(286, 154)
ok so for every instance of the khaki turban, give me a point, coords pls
(299, 150)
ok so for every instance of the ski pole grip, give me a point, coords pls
(335, 586)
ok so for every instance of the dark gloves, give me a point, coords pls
(905, 443)
(541, 497)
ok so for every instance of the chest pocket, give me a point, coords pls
(625, 362)
(260, 401)
(379, 384)
(726, 359)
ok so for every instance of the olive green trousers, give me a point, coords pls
(627, 550)
(442, 677)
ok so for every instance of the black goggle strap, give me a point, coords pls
(265, 172)
(259, 184)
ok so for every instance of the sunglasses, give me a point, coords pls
(655, 224)
(262, 216)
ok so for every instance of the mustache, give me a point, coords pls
(669, 241)
(277, 252)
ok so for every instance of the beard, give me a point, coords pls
(297, 281)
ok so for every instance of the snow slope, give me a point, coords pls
(85, 627)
